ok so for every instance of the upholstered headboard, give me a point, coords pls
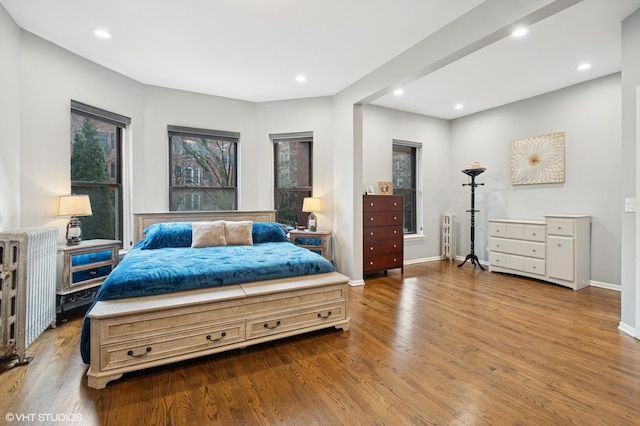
(142, 220)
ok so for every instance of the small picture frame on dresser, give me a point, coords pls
(385, 188)
(370, 190)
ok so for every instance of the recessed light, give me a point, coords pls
(101, 33)
(519, 32)
(301, 78)
(398, 92)
(583, 67)
(458, 106)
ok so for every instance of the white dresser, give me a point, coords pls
(556, 250)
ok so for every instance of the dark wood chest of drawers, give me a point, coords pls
(383, 243)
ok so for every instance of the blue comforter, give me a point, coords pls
(167, 270)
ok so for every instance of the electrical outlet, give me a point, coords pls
(629, 205)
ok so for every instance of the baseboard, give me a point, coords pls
(608, 286)
(625, 328)
(356, 283)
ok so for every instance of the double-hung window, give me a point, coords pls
(203, 168)
(293, 167)
(405, 180)
(96, 168)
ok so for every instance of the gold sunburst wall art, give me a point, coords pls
(538, 159)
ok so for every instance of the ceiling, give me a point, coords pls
(254, 49)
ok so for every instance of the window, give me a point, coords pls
(405, 179)
(203, 169)
(96, 168)
(293, 168)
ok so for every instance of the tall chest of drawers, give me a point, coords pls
(383, 241)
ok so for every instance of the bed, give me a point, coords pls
(198, 283)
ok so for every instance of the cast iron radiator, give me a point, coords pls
(27, 288)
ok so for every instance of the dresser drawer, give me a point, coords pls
(497, 229)
(381, 203)
(170, 345)
(535, 233)
(296, 319)
(379, 233)
(497, 259)
(515, 230)
(558, 226)
(382, 261)
(534, 266)
(382, 219)
(382, 247)
(519, 247)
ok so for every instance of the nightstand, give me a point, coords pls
(316, 241)
(82, 268)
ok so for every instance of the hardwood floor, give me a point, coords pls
(439, 345)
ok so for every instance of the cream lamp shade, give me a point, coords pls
(310, 205)
(74, 205)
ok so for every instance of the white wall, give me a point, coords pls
(590, 116)
(301, 115)
(381, 127)
(164, 107)
(9, 122)
(630, 162)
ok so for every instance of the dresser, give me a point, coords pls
(82, 268)
(383, 236)
(555, 250)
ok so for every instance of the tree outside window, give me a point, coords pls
(404, 182)
(203, 169)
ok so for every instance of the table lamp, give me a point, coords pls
(310, 205)
(74, 206)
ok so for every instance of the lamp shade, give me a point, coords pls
(311, 204)
(74, 205)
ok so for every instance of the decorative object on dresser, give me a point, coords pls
(82, 268)
(383, 235)
(74, 206)
(385, 188)
(474, 170)
(557, 250)
(316, 241)
(310, 205)
(27, 288)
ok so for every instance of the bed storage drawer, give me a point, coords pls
(295, 319)
(171, 345)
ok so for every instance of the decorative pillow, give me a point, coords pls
(208, 234)
(167, 234)
(268, 232)
(238, 233)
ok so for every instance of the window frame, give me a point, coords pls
(416, 153)
(198, 174)
(307, 191)
(121, 124)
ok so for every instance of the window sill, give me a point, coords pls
(414, 237)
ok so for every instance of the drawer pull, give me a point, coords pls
(371, 204)
(371, 219)
(534, 234)
(371, 263)
(146, 351)
(395, 246)
(533, 250)
(395, 218)
(271, 327)
(395, 204)
(372, 233)
(93, 273)
(395, 232)
(222, 336)
(371, 248)
(92, 257)
(324, 316)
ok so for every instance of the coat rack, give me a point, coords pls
(473, 173)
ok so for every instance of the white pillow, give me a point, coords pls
(208, 234)
(238, 233)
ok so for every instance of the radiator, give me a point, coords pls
(448, 237)
(28, 288)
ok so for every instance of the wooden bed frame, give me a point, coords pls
(142, 332)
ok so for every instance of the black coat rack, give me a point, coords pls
(472, 173)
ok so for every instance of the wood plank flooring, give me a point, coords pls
(439, 345)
